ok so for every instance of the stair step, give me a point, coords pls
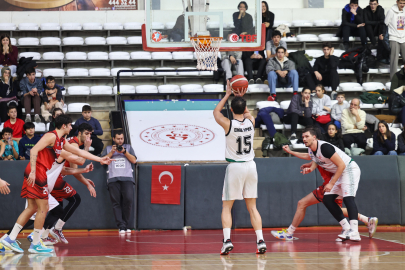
(105, 124)
(106, 135)
(101, 115)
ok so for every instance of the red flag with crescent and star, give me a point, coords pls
(166, 184)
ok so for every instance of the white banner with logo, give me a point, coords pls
(176, 136)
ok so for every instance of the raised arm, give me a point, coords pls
(68, 147)
(219, 117)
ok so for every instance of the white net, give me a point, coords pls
(206, 49)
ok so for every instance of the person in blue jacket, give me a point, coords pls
(384, 141)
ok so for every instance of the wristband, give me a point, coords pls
(125, 151)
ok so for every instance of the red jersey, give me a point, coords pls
(320, 191)
(18, 129)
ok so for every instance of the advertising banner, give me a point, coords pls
(67, 5)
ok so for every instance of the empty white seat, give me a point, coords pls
(53, 56)
(8, 26)
(125, 89)
(158, 25)
(354, 39)
(28, 41)
(323, 23)
(286, 126)
(95, 41)
(76, 107)
(77, 72)
(162, 55)
(144, 89)
(191, 88)
(169, 88)
(381, 106)
(113, 26)
(28, 26)
(71, 26)
(345, 71)
(101, 90)
(278, 23)
(258, 88)
(114, 72)
(206, 72)
(170, 25)
(73, 41)
(116, 40)
(13, 41)
(188, 73)
(314, 53)
(162, 73)
(307, 37)
(365, 105)
(388, 86)
(302, 23)
(92, 26)
(338, 53)
(298, 146)
(213, 88)
(55, 72)
(132, 26)
(372, 71)
(289, 39)
(50, 26)
(102, 72)
(349, 86)
(276, 126)
(79, 90)
(285, 104)
(151, 73)
(265, 104)
(338, 22)
(40, 127)
(328, 37)
(97, 56)
(34, 55)
(183, 55)
(134, 40)
(384, 70)
(76, 56)
(50, 41)
(372, 86)
(141, 55)
(119, 55)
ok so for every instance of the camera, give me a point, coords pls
(119, 148)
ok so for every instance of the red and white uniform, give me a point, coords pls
(320, 191)
(46, 169)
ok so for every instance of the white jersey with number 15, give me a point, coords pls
(239, 141)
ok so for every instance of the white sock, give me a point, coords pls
(45, 234)
(354, 225)
(36, 237)
(41, 232)
(345, 225)
(16, 230)
(227, 234)
(259, 235)
(59, 225)
(291, 229)
(363, 219)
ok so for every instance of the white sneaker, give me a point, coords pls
(261, 247)
(372, 226)
(226, 247)
(121, 231)
(350, 235)
(128, 231)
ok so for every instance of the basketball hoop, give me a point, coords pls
(206, 49)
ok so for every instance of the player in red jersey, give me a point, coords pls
(40, 175)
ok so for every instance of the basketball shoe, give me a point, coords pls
(261, 247)
(30, 238)
(39, 248)
(372, 226)
(49, 241)
(13, 245)
(350, 235)
(227, 247)
(282, 235)
(58, 235)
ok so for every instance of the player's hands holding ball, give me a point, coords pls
(238, 85)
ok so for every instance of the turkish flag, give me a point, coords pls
(166, 184)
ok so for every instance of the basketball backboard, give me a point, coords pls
(170, 27)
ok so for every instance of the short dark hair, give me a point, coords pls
(56, 110)
(11, 107)
(61, 120)
(30, 70)
(85, 127)
(312, 130)
(50, 78)
(238, 105)
(7, 130)
(305, 88)
(354, 2)
(28, 125)
(326, 44)
(373, 1)
(118, 132)
(86, 108)
(243, 2)
(280, 48)
(276, 33)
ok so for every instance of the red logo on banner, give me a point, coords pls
(166, 184)
(156, 36)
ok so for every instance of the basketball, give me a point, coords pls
(238, 83)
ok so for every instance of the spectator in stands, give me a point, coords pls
(29, 140)
(243, 21)
(254, 60)
(321, 108)
(337, 109)
(8, 92)
(281, 73)
(398, 79)
(352, 24)
(232, 60)
(299, 112)
(11, 146)
(55, 114)
(325, 68)
(264, 117)
(273, 44)
(268, 20)
(353, 125)
(177, 33)
(401, 144)
(334, 136)
(9, 54)
(14, 123)
(31, 88)
(52, 98)
(396, 28)
(374, 16)
(97, 143)
(121, 180)
(384, 141)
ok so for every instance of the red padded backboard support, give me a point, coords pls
(191, 49)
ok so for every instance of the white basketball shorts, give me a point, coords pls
(240, 181)
(348, 183)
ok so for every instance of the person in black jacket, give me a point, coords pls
(243, 21)
(334, 137)
(384, 141)
(254, 60)
(401, 144)
(374, 17)
(268, 20)
(325, 67)
(8, 90)
(352, 24)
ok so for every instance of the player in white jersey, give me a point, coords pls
(344, 183)
(241, 174)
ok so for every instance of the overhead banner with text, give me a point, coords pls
(67, 5)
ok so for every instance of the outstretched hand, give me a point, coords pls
(287, 149)
(89, 168)
(4, 189)
(106, 160)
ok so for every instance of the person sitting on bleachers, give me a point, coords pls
(264, 116)
(401, 144)
(31, 88)
(273, 44)
(8, 92)
(299, 112)
(281, 73)
(268, 20)
(56, 112)
(374, 16)
(177, 32)
(14, 123)
(28, 141)
(352, 24)
(353, 125)
(52, 98)
(243, 21)
(254, 60)
(321, 108)
(9, 54)
(232, 60)
(11, 146)
(325, 67)
(337, 110)
(384, 141)
(334, 136)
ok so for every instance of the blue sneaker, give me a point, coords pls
(7, 242)
(282, 235)
(30, 237)
(2, 248)
(39, 249)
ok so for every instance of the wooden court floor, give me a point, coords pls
(313, 249)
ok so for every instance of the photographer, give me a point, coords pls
(121, 179)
